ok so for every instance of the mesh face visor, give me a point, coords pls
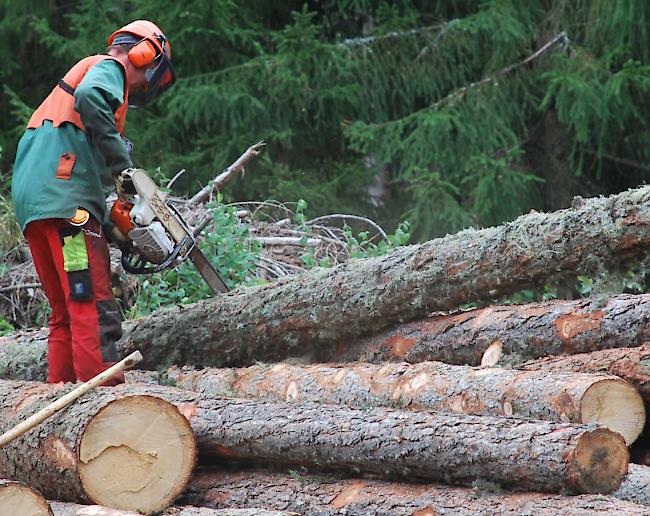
(159, 79)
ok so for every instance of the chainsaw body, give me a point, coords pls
(161, 239)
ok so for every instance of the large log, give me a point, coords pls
(323, 496)
(17, 498)
(128, 452)
(451, 447)
(636, 486)
(23, 355)
(326, 306)
(456, 448)
(573, 397)
(630, 364)
(520, 332)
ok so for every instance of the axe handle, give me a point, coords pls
(64, 401)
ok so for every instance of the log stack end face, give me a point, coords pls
(137, 453)
(16, 498)
(614, 404)
(598, 463)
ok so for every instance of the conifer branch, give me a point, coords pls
(560, 38)
(369, 40)
(622, 161)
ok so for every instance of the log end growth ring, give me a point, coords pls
(16, 498)
(614, 404)
(137, 453)
(598, 463)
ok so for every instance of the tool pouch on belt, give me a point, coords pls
(75, 263)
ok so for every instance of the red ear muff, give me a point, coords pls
(143, 53)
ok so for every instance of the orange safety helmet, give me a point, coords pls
(150, 49)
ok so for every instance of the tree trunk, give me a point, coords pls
(325, 306)
(310, 495)
(74, 509)
(455, 448)
(630, 364)
(129, 452)
(520, 331)
(23, 355)
(573, 397)
(636, 486)
(17, 498)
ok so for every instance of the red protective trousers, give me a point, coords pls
(83, 331)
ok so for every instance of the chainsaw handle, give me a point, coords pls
(141, 267)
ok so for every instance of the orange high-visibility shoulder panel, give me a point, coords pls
(58, 107)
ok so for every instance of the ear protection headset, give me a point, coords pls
(143, 53)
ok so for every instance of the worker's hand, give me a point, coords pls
(123, 184)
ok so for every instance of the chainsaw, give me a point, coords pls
(161, 238)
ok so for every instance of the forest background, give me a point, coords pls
(444, 113)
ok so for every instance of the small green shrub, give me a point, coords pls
(5, 327)
(226, 246)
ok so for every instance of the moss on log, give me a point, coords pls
(324, 307)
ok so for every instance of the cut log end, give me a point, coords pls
(598, 463)
(16, 498)
(617, 405)
(137, 453)
(492, 354)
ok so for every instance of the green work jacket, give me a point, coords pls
(98, 152)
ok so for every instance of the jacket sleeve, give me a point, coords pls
(96, 98)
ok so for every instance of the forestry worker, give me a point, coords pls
(73, 147)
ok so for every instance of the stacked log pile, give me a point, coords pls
(374, 382)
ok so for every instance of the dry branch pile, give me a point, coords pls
(351, 414)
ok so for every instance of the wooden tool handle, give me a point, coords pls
(66, 400)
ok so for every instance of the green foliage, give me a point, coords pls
(10, 234)
(362, 245)
(499, 190)
(5, 327)
(226, 246)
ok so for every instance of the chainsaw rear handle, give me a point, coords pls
(140, 266)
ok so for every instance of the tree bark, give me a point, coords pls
(17, 498)
(325, 306)
(630, 364)
(23, 355)
(75, 454)
(521, 331)
(310, 495)
(636, 486)
(74, 509)
(573, 397)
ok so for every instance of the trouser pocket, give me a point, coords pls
(81, 286)
(75, 264)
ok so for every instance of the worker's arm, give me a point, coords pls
(96, 98)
